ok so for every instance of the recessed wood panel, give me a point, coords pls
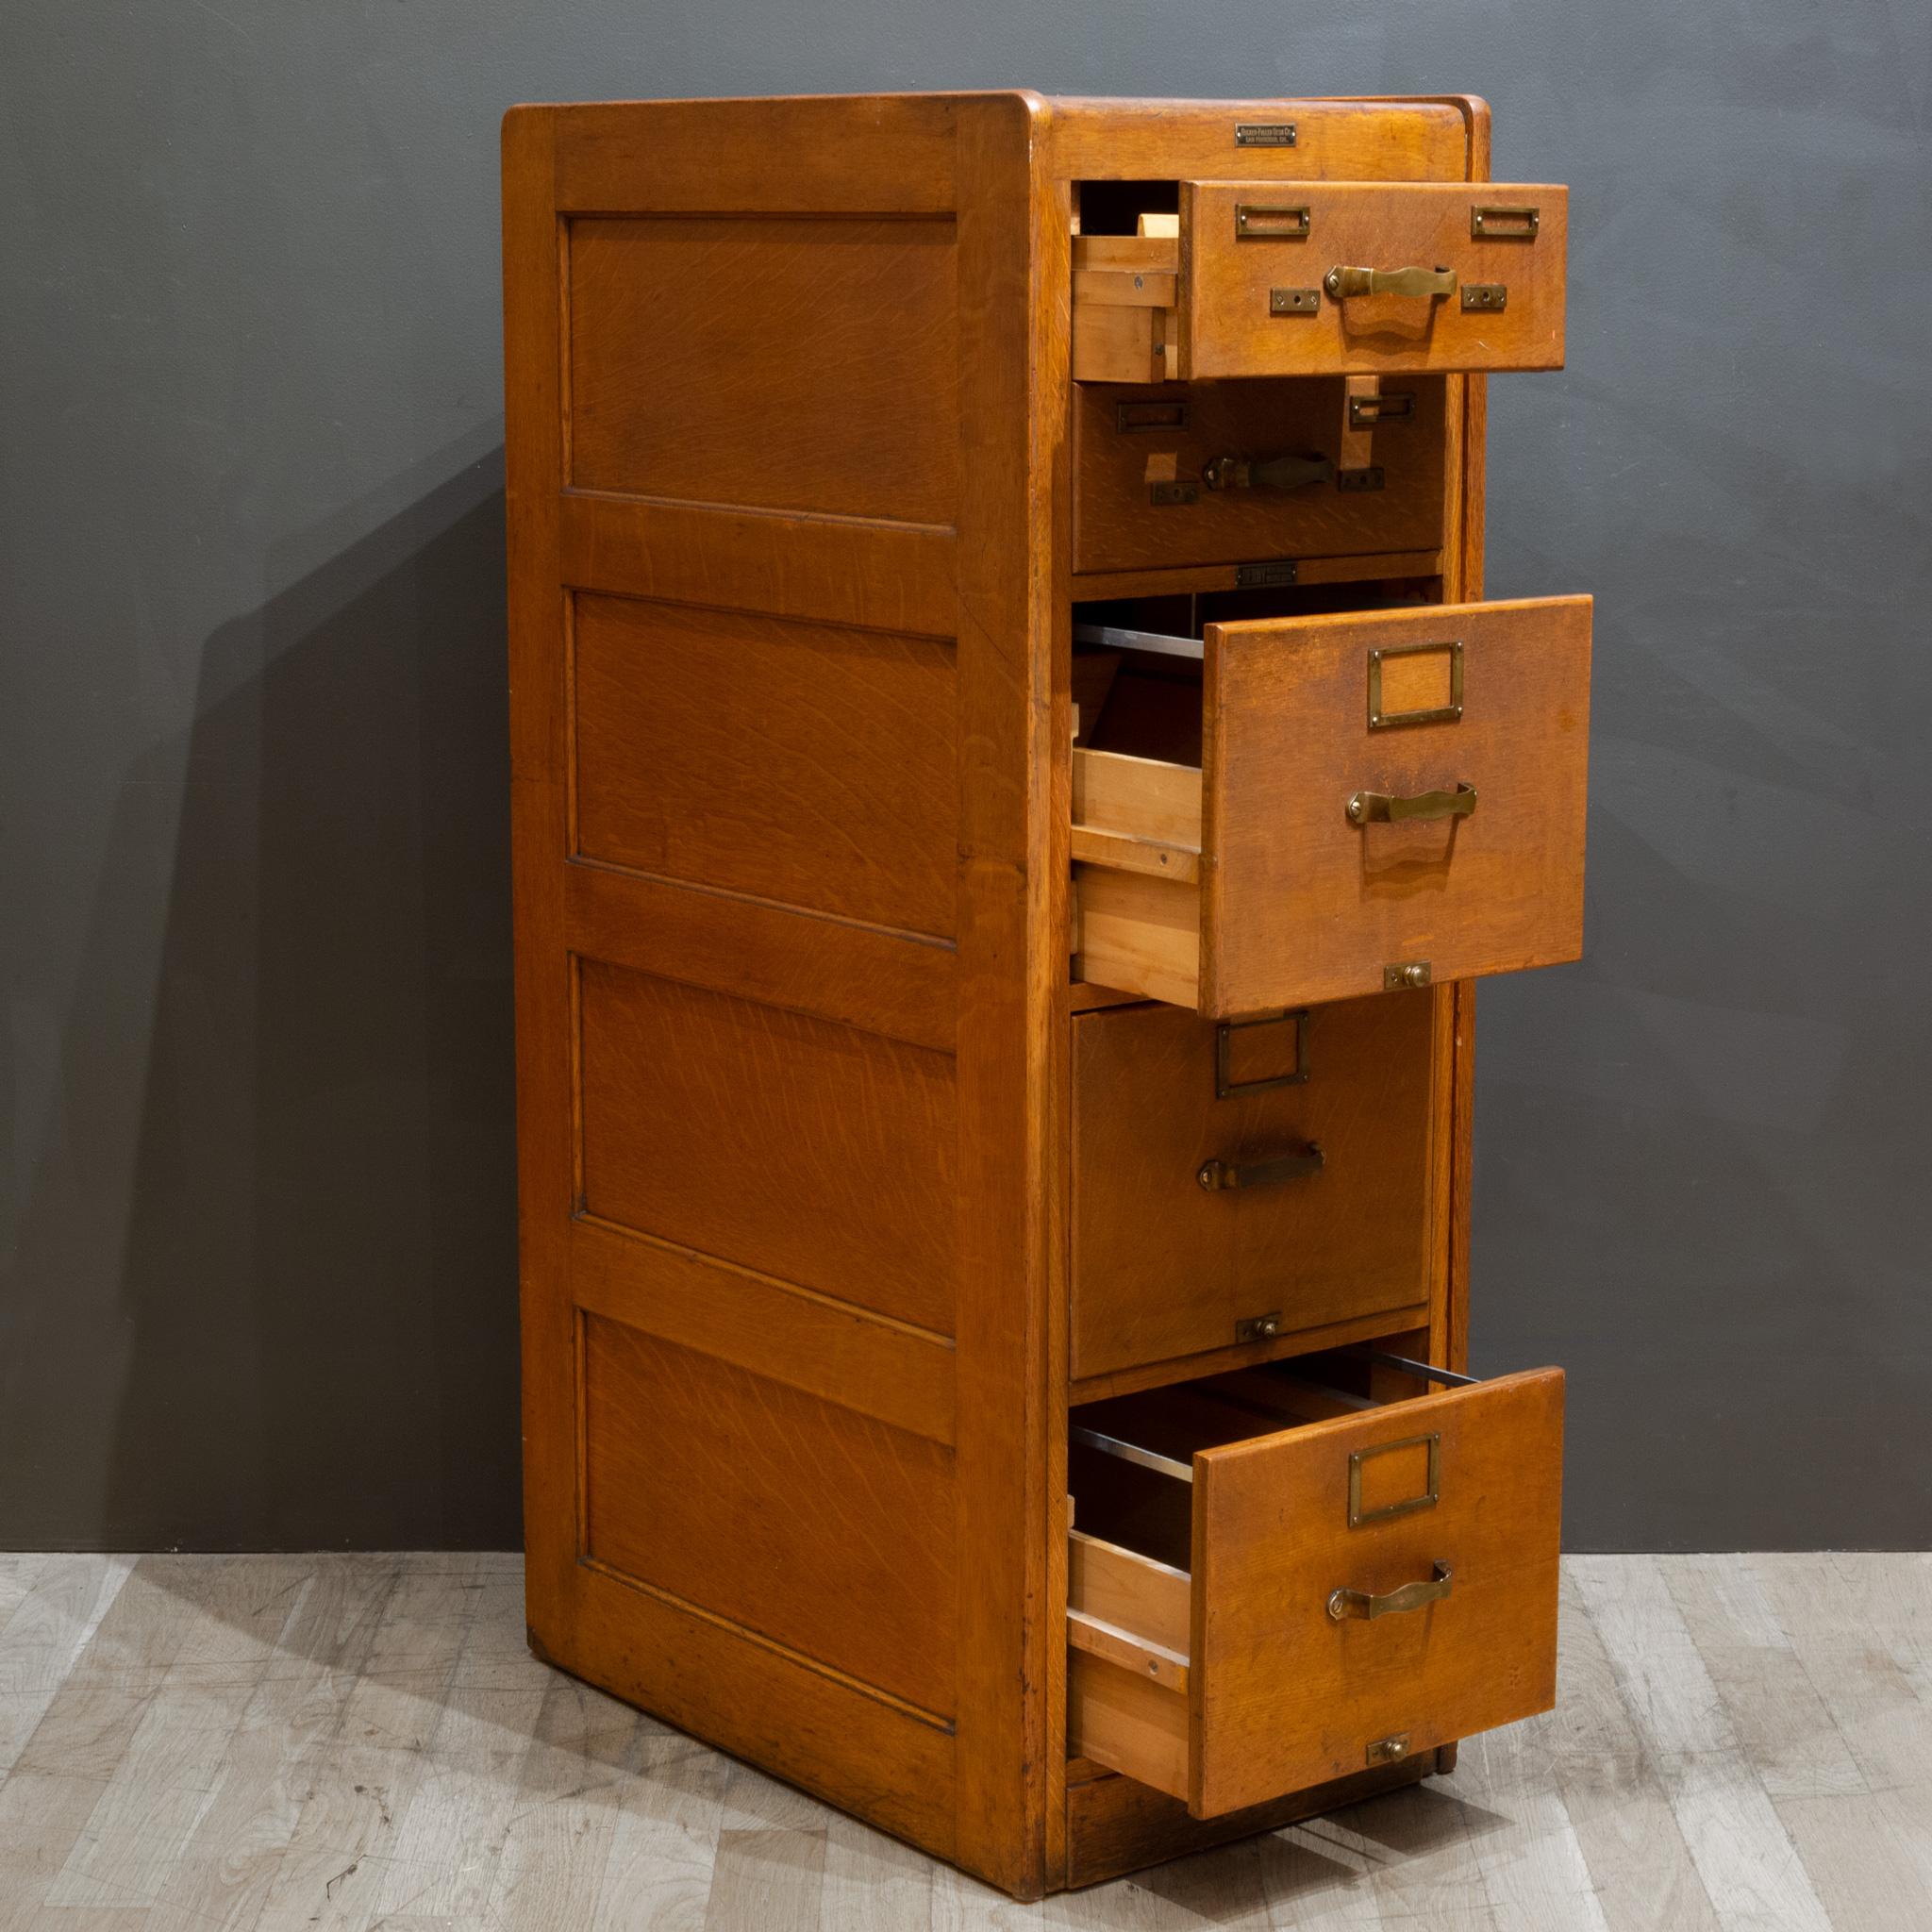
(802, 762)
(820, 1529)
(786, 362)
(804, 1149)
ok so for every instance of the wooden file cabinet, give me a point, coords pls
(1014, 780)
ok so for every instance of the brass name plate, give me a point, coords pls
(1264, 134)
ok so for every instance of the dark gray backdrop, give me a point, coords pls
(258, 1220)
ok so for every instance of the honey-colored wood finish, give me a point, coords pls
(1227, 320)
(1164, 1267)
(1461, 1488)
(803, 494)
(1298, 901)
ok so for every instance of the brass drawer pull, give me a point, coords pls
(1276, 472)
(1426, 282)
(1411, 1596)
(1379, 807)
(1215, 1175)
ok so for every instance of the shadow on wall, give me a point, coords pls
(318, 1284)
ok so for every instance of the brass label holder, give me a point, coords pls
(1132, 418)
(1255, 222)
(1488, 222)
(1407, 1505)
(1380, 720)
(1226, 1087)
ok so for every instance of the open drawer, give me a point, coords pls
(1385, 798)
(1327, 278)
(1272, 1582)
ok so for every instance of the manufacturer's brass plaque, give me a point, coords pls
(1264, 134)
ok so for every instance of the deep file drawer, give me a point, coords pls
(1385, 798)
(1272, 1583)
(1243, 1184)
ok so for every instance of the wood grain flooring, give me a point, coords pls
(351, 1741)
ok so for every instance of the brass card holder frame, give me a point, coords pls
(1490, 222)
(1407, 1505)
(1255, 221)
(1149, 415)
(1450, 713)
(1226, 1087)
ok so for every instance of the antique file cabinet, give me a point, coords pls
(1014, 783)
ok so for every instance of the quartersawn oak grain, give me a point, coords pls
(790, 510)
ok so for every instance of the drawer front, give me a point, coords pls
(1325, 279)
(1350, 1610)
(1175, 475)
(1165, 1266)
(1392, 798)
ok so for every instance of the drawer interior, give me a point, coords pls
(1286, 1574)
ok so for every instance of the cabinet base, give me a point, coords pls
(1116, 1825)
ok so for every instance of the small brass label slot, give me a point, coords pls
(1488, 223)
(1397, 676)
(1386, 406)
(1255, 222)
(1354, 482)
(1294, 301)
(1403, 1506)
(1489, 295)
(1128, 418)
(1266, 576)
(1264, 134)
(1161, 495)
(1227, 1086)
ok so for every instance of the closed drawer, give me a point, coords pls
(1243, 1184)
(1225, 472)
(1287, 1584)
(1384, 799)
(1327, 278)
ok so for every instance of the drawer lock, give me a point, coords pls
(1490, 296)
(1411, 1596)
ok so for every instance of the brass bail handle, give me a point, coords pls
(1411, 1596)
(1274, 473)
(1426, 283)
(1382, 808)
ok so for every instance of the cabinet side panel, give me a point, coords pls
(737, 846)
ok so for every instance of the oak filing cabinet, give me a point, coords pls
(1014, 784)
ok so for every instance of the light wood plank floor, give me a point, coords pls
(353, 1741)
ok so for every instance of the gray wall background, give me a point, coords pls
(258, 1233)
